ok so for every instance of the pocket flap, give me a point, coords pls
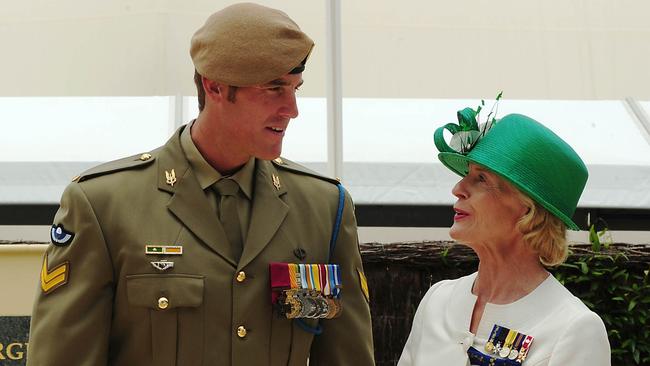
(147, 290)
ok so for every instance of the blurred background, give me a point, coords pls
(84, 82)
(90, 81)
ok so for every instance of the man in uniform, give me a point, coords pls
(163, 258)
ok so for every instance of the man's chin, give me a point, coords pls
(269, 156)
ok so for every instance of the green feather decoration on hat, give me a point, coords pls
(469, 132)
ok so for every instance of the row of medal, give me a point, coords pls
(504, 347)
(307, 304)
(306, 290)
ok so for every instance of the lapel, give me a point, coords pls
(268, 211)
(188, 202)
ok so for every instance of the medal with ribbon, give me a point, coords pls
(504, 347)
(306, 290)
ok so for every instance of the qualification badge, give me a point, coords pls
(504, 347)
(60, 236)
(306, 290)
(170, 177)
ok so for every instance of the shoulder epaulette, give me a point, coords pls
(297, 168)
(115, 166)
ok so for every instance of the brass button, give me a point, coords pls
(241, 276)
(163, 303)
(145, 157)
(279, 161)
(241, 331)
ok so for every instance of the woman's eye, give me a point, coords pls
(481, 178)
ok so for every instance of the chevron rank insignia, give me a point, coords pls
(60, 236)
(57, 277)
(364, 285)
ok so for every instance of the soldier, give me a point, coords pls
(164, 258)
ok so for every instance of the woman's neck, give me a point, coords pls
(506, 273)
(507, 279)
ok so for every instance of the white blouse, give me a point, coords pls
(565, 331)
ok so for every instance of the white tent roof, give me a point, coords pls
(389, 157)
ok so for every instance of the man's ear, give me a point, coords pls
(213, 89)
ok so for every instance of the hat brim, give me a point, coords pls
(459, 164)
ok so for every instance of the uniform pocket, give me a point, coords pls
(175, 301)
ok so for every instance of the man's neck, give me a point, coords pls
(208, 144)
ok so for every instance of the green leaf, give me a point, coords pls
(626, 343)
(569, 265)
(631, 305)
(594, 239)
(619, 273)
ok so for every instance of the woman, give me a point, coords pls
(521, 184)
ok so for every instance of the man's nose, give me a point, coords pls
(290, 107)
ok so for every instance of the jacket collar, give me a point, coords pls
(188, 203)
(267, 213)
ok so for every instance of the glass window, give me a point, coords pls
(82, 128)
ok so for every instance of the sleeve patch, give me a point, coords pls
(364, 284)
(57, 277)
(60, 236)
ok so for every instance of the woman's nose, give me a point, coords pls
(459, 189)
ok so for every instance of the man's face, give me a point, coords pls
(258, 118)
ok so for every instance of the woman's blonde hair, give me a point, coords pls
(543, 232)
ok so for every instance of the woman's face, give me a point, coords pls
(487, 208)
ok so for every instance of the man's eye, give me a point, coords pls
(481, 178)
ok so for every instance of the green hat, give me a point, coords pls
(522, 151)
(248, 44)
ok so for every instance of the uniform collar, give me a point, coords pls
(206, 175)
(244, 177)
(188, 202)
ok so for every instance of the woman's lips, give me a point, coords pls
(460, 214)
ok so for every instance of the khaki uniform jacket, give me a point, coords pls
(102, 304)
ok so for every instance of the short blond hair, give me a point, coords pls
(543, 232)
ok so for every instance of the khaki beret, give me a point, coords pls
(248, 44)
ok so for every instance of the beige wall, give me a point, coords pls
(20, 266)
(541, 49)
(118, 47)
